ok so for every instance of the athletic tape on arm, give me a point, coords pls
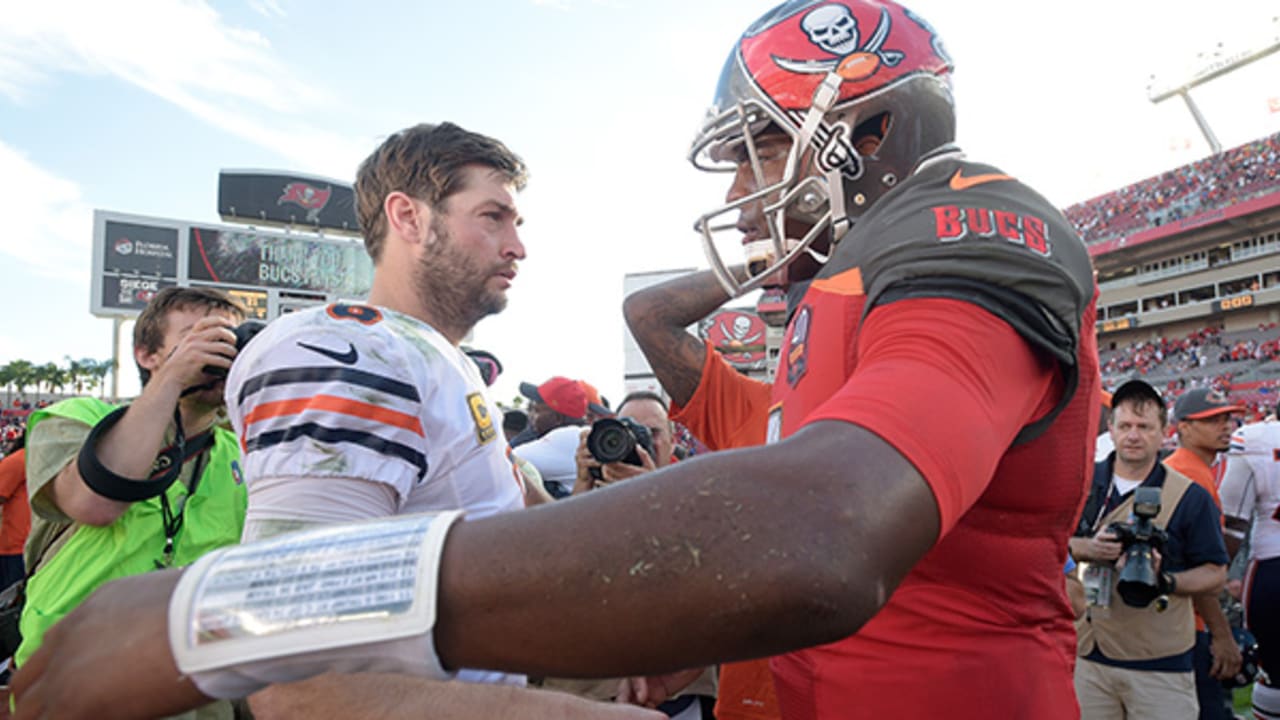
(351, 597)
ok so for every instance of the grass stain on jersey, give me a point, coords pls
(334, 462)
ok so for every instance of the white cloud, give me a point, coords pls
(183, 52)
(267, 8)
(48, 226)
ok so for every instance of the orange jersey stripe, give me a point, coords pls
(848, 282)
(330, 403)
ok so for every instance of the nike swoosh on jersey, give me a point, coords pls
(960, 182)
(346, 358)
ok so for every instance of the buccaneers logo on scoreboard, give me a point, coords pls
(311, 198)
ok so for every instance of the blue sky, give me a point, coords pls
(134, 107)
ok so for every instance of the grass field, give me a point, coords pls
(1243, 699)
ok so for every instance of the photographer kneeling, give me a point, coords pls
(641, 439)
(1148, 540)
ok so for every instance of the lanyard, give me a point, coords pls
(173, 521)
(1102, 509)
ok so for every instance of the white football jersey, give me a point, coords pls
(1251, 485)
(352, 391)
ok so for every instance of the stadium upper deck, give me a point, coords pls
(1191, 253)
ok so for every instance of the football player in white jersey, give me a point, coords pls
(1251, 487)
(356, 411)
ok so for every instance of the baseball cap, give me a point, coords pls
(561, 394)
(487, 363)
(595, 403)
(1203, 403)
(1137, 389)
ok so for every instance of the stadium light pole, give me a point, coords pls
(1216, 67)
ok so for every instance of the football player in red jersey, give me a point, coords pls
(897, 562)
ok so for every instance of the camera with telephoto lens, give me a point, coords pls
(1139, 583)
(616, 440)
(244, 333)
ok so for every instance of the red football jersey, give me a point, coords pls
(956, 323)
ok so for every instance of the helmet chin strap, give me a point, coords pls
(823, 99)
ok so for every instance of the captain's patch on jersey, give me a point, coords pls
(483, 420)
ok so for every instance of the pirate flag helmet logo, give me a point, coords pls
(826, 74)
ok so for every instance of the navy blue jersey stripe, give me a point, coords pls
(289, 376)
(334, 435)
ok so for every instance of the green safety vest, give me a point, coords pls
(93, 555)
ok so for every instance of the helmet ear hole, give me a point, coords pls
(869, 135)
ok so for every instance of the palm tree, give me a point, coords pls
(6, 378)
(57, 378)
(76, 374)
(97, 371)
(20, 374)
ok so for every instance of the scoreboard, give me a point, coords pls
(271, 272)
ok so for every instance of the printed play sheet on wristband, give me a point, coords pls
(331, 586)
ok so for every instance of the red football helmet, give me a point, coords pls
(825, 73)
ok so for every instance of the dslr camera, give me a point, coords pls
(244, 333)
(1139, 583)
(616, 440)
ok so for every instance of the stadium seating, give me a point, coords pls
(1215, 182)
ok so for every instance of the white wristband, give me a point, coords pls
(347, 598)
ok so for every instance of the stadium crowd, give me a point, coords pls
(1212, 183)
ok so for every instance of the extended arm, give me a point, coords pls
(713, 529)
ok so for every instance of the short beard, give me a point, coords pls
(452, 286)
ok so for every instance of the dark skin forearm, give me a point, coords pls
(657, 317)
(697, 563)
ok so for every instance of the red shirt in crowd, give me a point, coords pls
(15, 513)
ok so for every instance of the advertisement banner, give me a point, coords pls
(140, 249)
(255, 258)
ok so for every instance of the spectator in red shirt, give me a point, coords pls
(15, 512)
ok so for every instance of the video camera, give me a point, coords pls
(616, 440)
(1139, 582)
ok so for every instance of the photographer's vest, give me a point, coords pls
(212, 518)
(1124, 632)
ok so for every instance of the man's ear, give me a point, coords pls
(147, 359)
(406, 217)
